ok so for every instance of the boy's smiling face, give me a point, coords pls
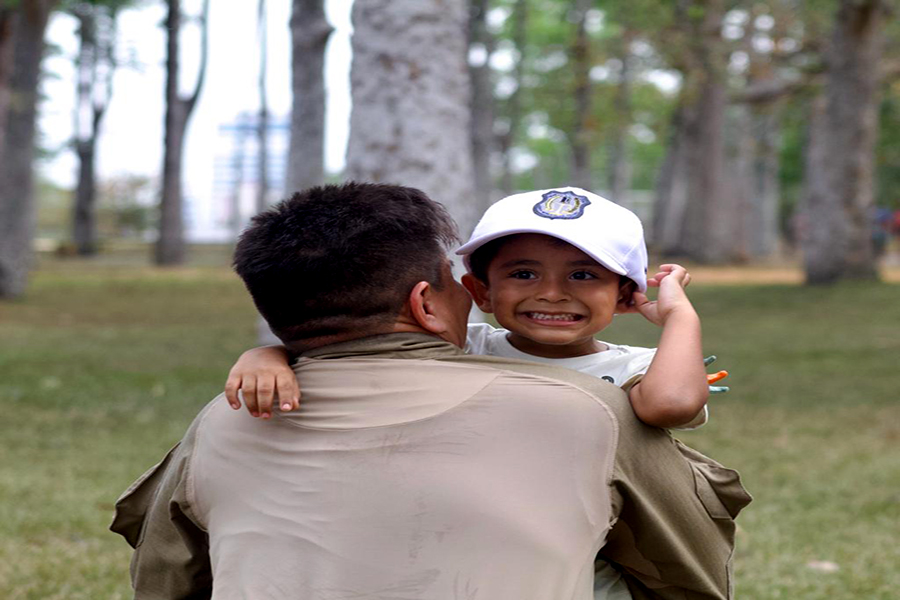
(550, 295)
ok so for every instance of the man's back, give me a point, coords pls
(408, 479)
(414, 471)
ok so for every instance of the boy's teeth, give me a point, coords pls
(556, 317)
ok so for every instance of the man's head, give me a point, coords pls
(344, 261)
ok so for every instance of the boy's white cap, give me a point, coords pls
(610, 234)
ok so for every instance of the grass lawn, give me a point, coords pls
(103, 365)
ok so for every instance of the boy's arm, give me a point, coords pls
(261, 374)
(674, 389)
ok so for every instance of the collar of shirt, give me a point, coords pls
(391, 345)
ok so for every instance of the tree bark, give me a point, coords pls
(507, 138)
(17, 206)
(580, 136)
(262, 119)
(92, 97)
(820, 222)
(764, 232)
(309, 33)
(482, 106)
(8, 21)
(410, 119)
(840, 245)
(619, 162)
(171, 248)
(671, 191)
(692, 194)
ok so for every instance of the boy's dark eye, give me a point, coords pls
(522, 275)
(581, 275)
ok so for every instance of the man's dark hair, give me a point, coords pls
(342, 259)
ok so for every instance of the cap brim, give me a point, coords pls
(472, 245)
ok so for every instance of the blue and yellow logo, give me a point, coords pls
(561, 205)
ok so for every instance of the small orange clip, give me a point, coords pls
(714, 377)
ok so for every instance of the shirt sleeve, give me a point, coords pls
(637, 368)
(674, 533)
(171, 551)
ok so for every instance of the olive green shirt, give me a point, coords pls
(414, 471)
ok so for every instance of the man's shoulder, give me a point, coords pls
(603, 391)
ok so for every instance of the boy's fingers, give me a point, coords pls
(232, 385)
(265, 394)
(288, 391)
(248, 391)
(640, 299)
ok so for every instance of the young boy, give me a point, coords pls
(554, 266)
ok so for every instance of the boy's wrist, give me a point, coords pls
(681, 313)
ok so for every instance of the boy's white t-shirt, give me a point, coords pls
(618, 365)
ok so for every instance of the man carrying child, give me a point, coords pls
(412, 470)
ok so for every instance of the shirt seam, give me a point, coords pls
(419, 420)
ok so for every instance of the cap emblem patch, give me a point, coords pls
(561, 205)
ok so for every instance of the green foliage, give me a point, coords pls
(662, 33)
(549, 82)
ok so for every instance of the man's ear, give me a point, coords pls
(626, 296)
(479, 292)
(425, 310)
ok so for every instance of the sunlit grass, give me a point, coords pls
(103, 366)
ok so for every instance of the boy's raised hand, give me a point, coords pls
(261, 375)
(671, 281)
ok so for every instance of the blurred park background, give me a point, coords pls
(759, 141)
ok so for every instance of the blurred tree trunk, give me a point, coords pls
(693, 204)
(94, 68)
(764, 228)
(482, 102)
(25, 28)
(671, 191)
(580, 136)
(8, 18)
(821, 215)
(619, 182)
(309, 33)
(411, 97)
(262, 120)
(507, 138)
(170, 246)
(840, 171)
